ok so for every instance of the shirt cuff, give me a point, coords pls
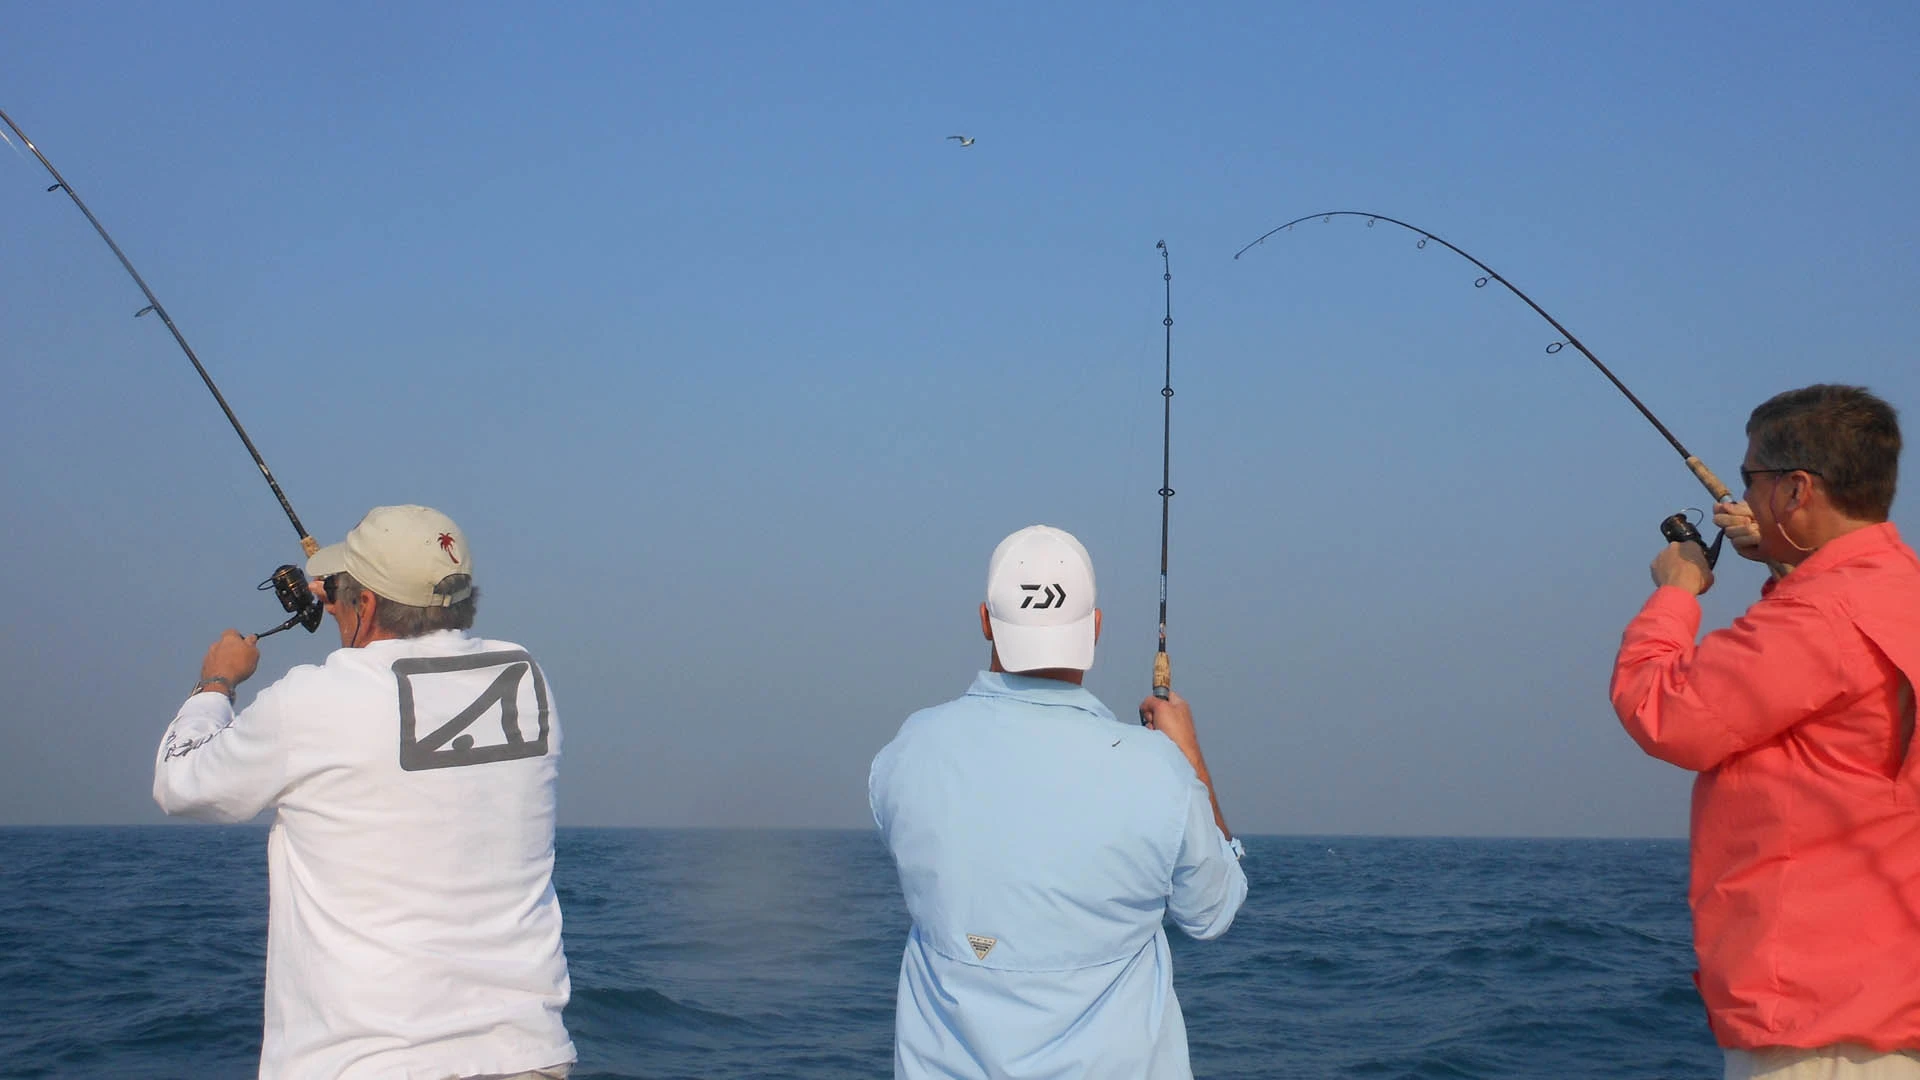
(1671, 602)
(208, 705)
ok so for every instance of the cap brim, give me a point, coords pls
(328, 560)
(1039, 648)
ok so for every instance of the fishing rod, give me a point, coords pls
(1676, 528)
(1162, 667)
(288, 582)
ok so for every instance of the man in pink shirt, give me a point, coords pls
(1799, 719)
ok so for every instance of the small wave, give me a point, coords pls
(608, 1002)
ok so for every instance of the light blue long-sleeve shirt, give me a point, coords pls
(1041, 843)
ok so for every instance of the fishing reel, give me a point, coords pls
(289, 585)
(1679, 529)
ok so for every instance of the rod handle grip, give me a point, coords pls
(1162, 675)
(1707, 480)
(1720, 493)
(309, 545)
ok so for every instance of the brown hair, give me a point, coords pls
(1842, 434)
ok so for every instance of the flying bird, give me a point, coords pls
(963, 140)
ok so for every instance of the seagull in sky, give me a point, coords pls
(963, 140)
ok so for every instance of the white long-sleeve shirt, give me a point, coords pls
(413, 929)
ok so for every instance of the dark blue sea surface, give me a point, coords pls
(138, 952)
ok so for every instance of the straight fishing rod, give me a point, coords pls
(1162, 667)
(1676, 528)
(288, 582)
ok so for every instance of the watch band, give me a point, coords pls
(226, 685)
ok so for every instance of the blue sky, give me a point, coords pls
(734, 369)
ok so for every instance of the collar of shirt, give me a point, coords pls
(1037, 691)
(1868, 541)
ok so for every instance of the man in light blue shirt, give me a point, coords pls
(1041, 843)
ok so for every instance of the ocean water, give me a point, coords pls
(138, 952)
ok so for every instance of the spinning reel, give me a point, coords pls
(289, 584)
(1678, 529)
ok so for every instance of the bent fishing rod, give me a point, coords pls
(288, 582)
(1676, 528)
(1162, 667)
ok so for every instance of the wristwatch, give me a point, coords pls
(1239, 849)
(225, 686)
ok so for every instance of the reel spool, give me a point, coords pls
(1679, 529)
(289, 585)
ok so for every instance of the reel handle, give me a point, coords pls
(288, 625)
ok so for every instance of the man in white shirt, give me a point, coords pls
(413, 929)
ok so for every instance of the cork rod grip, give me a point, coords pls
(1709, 481)
(1162, 675)
(309, 545)
(1720, 494)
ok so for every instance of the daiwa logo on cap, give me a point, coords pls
(1040, 601)
(1055, 595)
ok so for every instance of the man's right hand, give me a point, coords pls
(232, 659)
(1737, 519)
(1172, 717)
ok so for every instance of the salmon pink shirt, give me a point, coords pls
(1806, 813)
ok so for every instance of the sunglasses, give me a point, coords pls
(1747, 475)
(329, 585)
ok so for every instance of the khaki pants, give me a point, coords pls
(1842, 1062)
(551, 1072)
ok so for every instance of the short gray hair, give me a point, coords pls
(407, 621)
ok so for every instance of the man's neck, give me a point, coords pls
(1065, 675)
(1827, 528)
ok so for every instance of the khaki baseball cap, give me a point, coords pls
(401, 553)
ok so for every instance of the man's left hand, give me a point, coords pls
(1683, 566)
(233, 658)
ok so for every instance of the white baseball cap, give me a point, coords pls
(401, 553)
(1040, 601)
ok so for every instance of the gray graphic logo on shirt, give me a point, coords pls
(452, 741)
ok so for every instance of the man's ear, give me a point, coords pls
(986, 626)
(1096, 625)
(1802, 493)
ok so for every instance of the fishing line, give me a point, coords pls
(1162, 667)
(1676, 528)
(288, 583)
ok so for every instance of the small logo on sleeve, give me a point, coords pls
(981, 945)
